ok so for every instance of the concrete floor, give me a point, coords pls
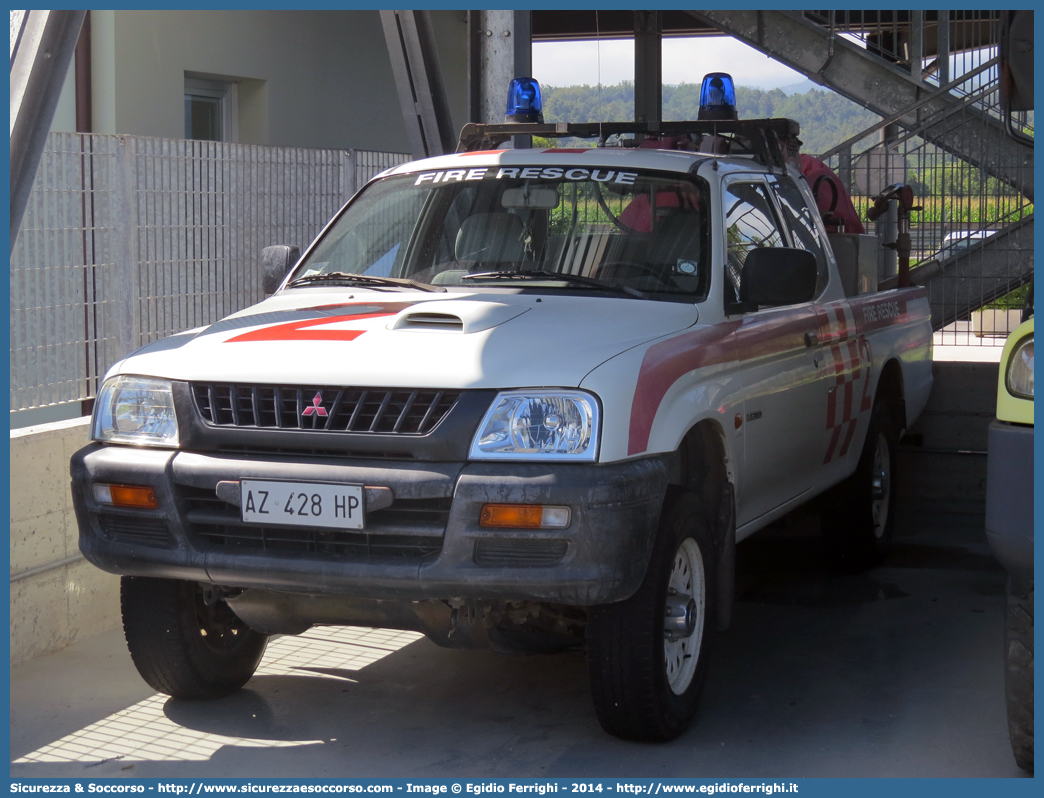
(896, 672)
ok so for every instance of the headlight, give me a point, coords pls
(539, 425)
(1020, 369)
(135, 410)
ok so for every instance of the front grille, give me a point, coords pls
(146, 531)
(409, 529)
(323, 409)
(519, 552)
(340, 453)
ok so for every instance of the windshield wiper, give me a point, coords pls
(569, 278)
(347, 277)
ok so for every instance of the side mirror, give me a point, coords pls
(275, 263)
(778, 276)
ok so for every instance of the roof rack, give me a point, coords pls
(773, 141)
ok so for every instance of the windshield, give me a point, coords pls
(561, 227)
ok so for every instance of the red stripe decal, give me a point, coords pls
(848, 437)
(839, 363)
(842, 325)
(298, 330)
(667, 361)
(304, 330)
(833, 442)
(827, 335)
(853, 352)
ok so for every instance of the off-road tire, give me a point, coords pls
(1018, 671)
(626, 652)
(857, 520)
(180, 645)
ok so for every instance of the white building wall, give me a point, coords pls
(306, 78)
(317, 79)
(65, 114)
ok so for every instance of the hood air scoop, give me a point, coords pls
(456, 315)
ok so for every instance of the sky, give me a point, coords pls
(684, 61)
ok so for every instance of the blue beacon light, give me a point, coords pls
(718, 97)
(524, 103)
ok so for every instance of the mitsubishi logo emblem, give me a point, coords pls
(316, 406)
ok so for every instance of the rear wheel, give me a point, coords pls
(1018, 671)
(647, 655)
(184, 640)
(858, 516)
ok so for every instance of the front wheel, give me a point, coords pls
(184, 640)
(647, 655)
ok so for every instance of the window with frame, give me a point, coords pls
(751, 223)
(211, 110)
(804, 231)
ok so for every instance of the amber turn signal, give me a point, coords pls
(140, 496)
(524, 516)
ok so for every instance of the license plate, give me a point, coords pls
(302, 503)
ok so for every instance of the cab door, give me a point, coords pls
(776, 347)
(842, 357)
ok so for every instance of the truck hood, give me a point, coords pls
(324, 336)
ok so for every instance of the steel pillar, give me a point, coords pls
(882, 87)
(942, 47)
(916, 52)
(418, 80)
(648, 66)
(500, 50)
(41, 50)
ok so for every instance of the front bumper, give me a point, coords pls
(427, 545)
(1009, 496)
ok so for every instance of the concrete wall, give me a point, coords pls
(56, 607)
(306, 78)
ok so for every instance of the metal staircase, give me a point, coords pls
(934, 78)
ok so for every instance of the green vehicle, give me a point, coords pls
(1009, 528)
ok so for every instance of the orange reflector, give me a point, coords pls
(524, 516)
(516, 515)
(134, 496)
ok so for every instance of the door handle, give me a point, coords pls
(811, 339)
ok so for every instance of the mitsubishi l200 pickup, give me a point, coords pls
(519, 399)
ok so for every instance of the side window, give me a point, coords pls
(211, 110)
(751, 223)
(802, 224)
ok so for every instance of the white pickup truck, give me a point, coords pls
(522, 399)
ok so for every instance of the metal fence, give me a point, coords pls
(973, 183)
(129, 239)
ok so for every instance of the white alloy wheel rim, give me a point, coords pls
(882, 485)
(687, 577)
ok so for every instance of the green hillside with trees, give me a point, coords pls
(826, 118)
